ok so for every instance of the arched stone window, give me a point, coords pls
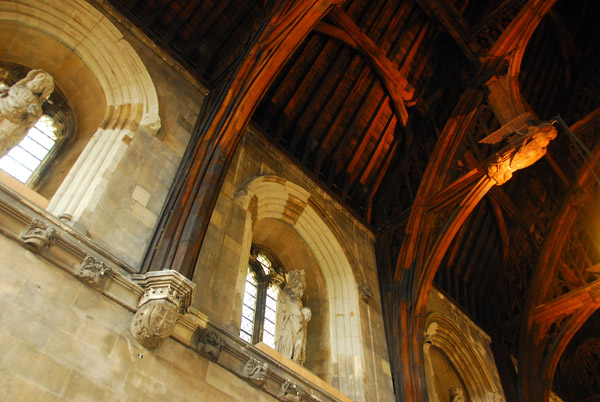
(281, 216)
(105, 81)
(265, 278)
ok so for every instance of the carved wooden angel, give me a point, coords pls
(292, 318)
(21, 107)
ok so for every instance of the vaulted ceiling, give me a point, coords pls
(360, 105)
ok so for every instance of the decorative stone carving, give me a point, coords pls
(457, 395)
(255, 372)
(365, 291)
(292, 318)
(154, 322)
(532, 147)
(209, 344)
(167, 294)
(21, 107)
(290, 392)
(93, 271)
(37, 237)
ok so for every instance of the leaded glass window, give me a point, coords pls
(264, 279)
(26, 157)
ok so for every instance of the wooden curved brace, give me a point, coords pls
(416, 266)
(395, 84)
(178, 244)
(534, 374)
(506, 99)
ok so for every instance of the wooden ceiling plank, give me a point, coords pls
(369, 130)
(414, 47)
(402, 30)
(340, 112)
(378, 177)
(182, 18)
(377, 150)
(154, 13)
(193, 43)
(347, 135)
(292, 108)
(326, 87)
(280, 96)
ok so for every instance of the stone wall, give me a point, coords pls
(62, 340)
(361, 368)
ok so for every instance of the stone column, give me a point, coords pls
(167, 294)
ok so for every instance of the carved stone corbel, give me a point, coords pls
(209, 344)
(255, 371)
(290, 392)
(93, 271)
(37, 237)
(166, 295)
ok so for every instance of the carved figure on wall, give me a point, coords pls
(93, 271)
(290, 392)
(292, 318)
(457, 395)
(21, 107)
(255, 372)
(38, 237)
(209, 344)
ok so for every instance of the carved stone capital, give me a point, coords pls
(166, 295)
(37, 237)
(290, 392)
(255, 371)
(93, 271)
(166, 285)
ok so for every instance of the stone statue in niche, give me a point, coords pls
(457, 395)
(21, 107)
(292, 318)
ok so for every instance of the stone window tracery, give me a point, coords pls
(264, 280)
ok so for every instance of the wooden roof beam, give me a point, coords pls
(396, 85)
(568, 303)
